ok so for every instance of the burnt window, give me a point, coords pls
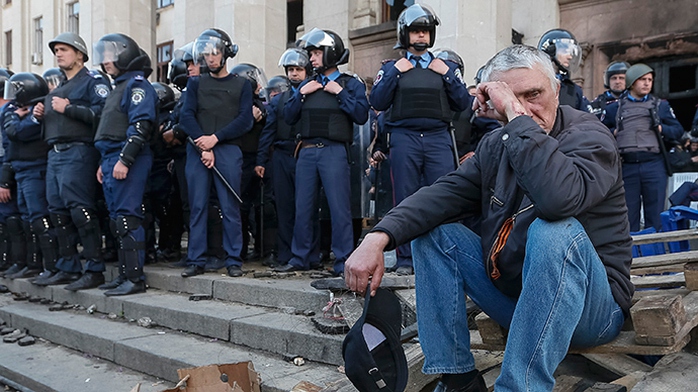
(682, 78)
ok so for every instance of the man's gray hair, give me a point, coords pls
(520, 56)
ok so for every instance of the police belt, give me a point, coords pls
(60, 147)
(640, 156)
(319, 144)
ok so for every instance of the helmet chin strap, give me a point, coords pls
(420, 47)
(562, 69)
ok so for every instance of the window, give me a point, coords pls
(392, 9)
(74, 17)
(294, 18)
(8, 48)
(37, 55)
(164, 56)
(164, 3)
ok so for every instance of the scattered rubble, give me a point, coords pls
(146, 322)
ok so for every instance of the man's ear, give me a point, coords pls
(557, 93)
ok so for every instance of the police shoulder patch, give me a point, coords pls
(101, 90)
(357, 77)
(139, 77)
(459, 76)
(378, 78)
(137, 95)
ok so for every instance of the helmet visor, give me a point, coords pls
(12, 89)
(568, 53)
(184, 53)
(107, 52)
(294, 57)
(419, 13)
(315, 38)
(206, 46)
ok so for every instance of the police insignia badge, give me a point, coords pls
(137, 95)
(102, 90)
(378, 77)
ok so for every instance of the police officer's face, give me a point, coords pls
(295, 74)
(316, 58)
(642, 86)
(533, 89)
(66, 56)
(419, 37)
(110, 68)
(192, 69)
(213, 60)
(617, 82)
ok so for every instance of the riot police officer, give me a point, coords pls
(128, 121)
(614, 81)
(566, 55)
(69, 115)
(26, 152)
(217, 113)
(327, 106)
(419, 93)
(11, 259)
(642, 124)
(282, 136)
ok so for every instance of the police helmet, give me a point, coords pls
(213, 41)
(147, 65)
(277, 85)
(478, 75)
(252, 73)
(121, 50)
(615, 68)
(25, 88)
(333, 51)
(416, 17)
(635, 72)
(177, 73)
(559, 42)
(5, 74)
(185, 53)
(71, 39)
(53, 77)
(295, 57)
(448, 54)
(166, 96)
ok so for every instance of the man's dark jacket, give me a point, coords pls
(520, 170)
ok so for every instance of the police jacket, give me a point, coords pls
(386, 91)
(276, 130)
(21, 137)
(520, 170)
(351, 103)
(598, 105)
(133, 100)
(571, 94)
(469, 129)
(87, 94)
(242, 118)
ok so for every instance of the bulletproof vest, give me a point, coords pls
(284, 130)
(27, 151)
(463, 127)
(420, 93)
(635, 126)
(568, 95)
(114, 123)
(59, 127)
(218, 103)
(250, 141)
(322, 117)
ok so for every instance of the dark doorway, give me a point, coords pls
(294, 18)
(676, 80)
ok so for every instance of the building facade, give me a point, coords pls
(662, 34)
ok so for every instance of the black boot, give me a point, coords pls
(467, 382)
(114, 283)
(126, 288)
(60, 278)
(25, 272)
(88, 280)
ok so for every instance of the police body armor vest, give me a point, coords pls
(322, 117)
(249, 142)
(27, 151)
(462, 127)
(635, 126)
(568, 95)
(114, 123)
(284, 130)
(218, 103)
(59, 127)
(420, 93)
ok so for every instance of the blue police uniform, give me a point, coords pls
(421, 147)
(645, 164)
(128, 120)
(222, 107)
(26, 152)
(282, 136)
(326, 128)
(598, 105)
(571, 94)
(72, 163)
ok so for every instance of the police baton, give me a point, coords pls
(452, 131)
(215, 170)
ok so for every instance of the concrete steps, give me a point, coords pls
(156, 351)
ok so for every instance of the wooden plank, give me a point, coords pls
(667, 259)
(658, 316)
(691, 275)
(491, 332)
(416, 380)
(640, 294)
(630, 380)
(666, 236)
(676, 372)
(620, 364)
(662, 269)
(658, 281)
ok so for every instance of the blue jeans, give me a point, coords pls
(566, 300)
